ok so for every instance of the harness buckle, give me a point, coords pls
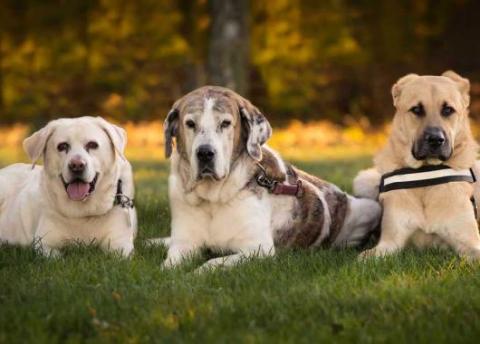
(123, 201)
(266, 182)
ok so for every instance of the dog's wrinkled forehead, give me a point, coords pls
(222, 103)
(431, 90)
(198, 102)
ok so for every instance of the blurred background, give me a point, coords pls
(320, 70)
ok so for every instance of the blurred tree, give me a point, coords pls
(1, 72)
(306, 59)
(194, 29)
(228, 46)
(3, 29)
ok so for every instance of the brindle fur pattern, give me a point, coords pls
(309, 214)
(229, 210)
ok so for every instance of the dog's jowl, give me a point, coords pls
(230, 192)
(82, 193)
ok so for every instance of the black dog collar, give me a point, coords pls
(409, 178)
(121, 199)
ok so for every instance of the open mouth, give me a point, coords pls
(78, 190)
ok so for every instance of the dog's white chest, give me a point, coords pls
(233, 225)
(282, 216)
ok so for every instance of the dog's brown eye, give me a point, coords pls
(190, 124)
(91, 145)
(417, 110)
(63, 147)
(225, 124)
(447, 110)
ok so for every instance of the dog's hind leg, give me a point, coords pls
(397, 229)
(362, 218)
(461, 233)
(180, 251)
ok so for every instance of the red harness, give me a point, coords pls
(279, 188)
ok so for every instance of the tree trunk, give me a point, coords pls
(1, 77)
(228, 47)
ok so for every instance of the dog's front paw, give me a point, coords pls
(372, 253)
(472, 256)
(168, 264)
(173, 261)
(48, 252)
(203, 269)
(159, 241)
(123, 249)
(212, 264)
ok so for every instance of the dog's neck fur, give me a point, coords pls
(212, 191)
(97, 204)
(243, 170)
(397, 153)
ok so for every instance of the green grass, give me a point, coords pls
(297, 296)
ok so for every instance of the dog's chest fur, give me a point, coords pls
(426, 206)
(228, 213)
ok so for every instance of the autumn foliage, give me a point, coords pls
(307, 60)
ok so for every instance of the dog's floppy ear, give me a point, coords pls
(35, 144)
(398, 86)
(170, 128)
(463, 85)
(117, 136)
(257, 126)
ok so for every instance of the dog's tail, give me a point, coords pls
(362, 221)
(366, 184)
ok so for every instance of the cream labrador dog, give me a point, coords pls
(230, 192)
(84, 191)
(428, 167)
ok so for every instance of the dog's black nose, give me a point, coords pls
(434, 136)
(205, 153)
(77, 165)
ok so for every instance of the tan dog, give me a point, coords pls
(430, 127)
(230, 192)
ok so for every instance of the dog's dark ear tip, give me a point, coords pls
(170, 131)
(255, 151)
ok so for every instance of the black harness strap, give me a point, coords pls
(474, 204)
(122, 200)
(413, 183)
(456, 176)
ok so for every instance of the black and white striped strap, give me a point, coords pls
(409, 178)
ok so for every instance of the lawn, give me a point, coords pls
(297, 296)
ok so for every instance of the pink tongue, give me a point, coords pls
(77, 190)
